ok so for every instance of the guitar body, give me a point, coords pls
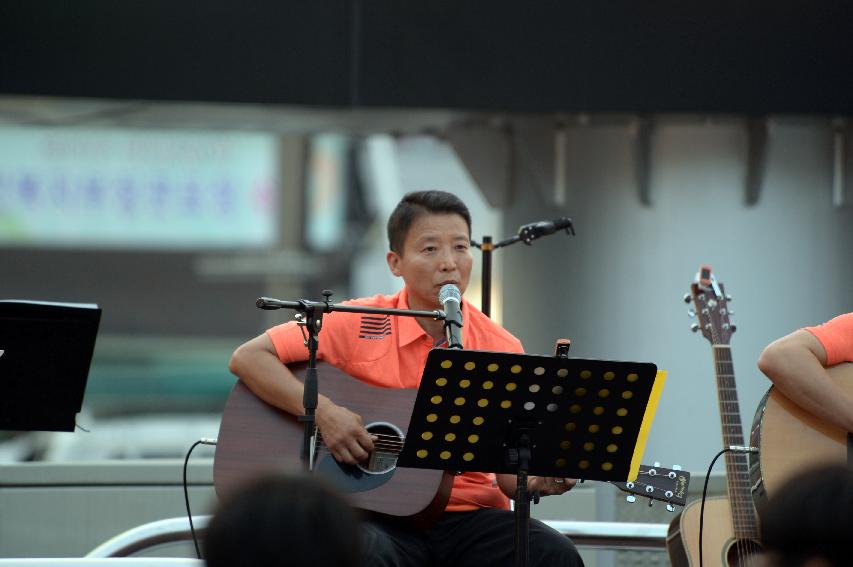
(720, 548)
(255, 437)
(791, 440)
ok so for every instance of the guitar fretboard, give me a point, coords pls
(744, 522)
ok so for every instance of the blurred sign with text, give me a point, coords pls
(138, 189)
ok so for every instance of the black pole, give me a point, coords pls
(522, 504)
(310, 388)
(486, 301)
(527, 234)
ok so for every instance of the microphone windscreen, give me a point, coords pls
(449, 291)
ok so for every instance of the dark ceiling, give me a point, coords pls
(729, 56)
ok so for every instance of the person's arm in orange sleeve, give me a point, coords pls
(796, 365)
(257, 365)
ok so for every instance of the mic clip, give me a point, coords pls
(530, 232)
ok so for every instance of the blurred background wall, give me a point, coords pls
(176, 249)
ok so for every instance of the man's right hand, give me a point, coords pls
(343, 433)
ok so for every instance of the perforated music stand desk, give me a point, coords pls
(47, 349)
(585, 419)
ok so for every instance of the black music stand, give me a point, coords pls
(531, 414)
(46, 352)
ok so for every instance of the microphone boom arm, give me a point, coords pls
(311, 319)
(269, 304)
(526, 233)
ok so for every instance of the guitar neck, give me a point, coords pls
(737, 468)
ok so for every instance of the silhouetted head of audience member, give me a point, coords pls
(809, 521)
(283, 520)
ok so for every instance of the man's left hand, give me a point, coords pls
(550, 485)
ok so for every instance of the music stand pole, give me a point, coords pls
(522, 501)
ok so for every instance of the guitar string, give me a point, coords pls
(743, 515)
(320, 446)
(379, 435)
(386, 445)
(397, 447)
(396, 443)
(390, 447)
(740, 516)
(740, 481)
(730, 437)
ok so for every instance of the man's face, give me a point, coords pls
(436, 252)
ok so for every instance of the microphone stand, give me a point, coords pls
(310, 318)
(527, 234)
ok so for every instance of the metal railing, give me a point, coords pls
(610, 535)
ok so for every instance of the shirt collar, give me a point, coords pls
(410, 330)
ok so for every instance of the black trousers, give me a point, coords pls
(483, 538)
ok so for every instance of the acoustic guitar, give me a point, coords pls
(791, 440)
(255, 437)
(730, 532)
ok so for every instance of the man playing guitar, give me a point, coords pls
(797, 364)
(429, 234)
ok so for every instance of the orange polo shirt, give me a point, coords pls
(836, 336)
(391, 352)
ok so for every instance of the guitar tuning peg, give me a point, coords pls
(687, 298)
(734, 328)
(651, 502)
(670, 508)
(731, 312)
(656, 464)
(694, 327)
(676, 467)
(728, 297)
(631, 498)
(691, 313)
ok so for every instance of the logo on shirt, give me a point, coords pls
(374, 327)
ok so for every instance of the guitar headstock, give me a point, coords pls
(658, 483)
(711, 307)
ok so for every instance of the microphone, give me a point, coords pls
(530, 232)
(267, 303)
(450, 297)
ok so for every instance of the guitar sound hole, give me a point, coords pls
(742, 552)
(387, 444)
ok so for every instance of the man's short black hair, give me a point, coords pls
(414, 205)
